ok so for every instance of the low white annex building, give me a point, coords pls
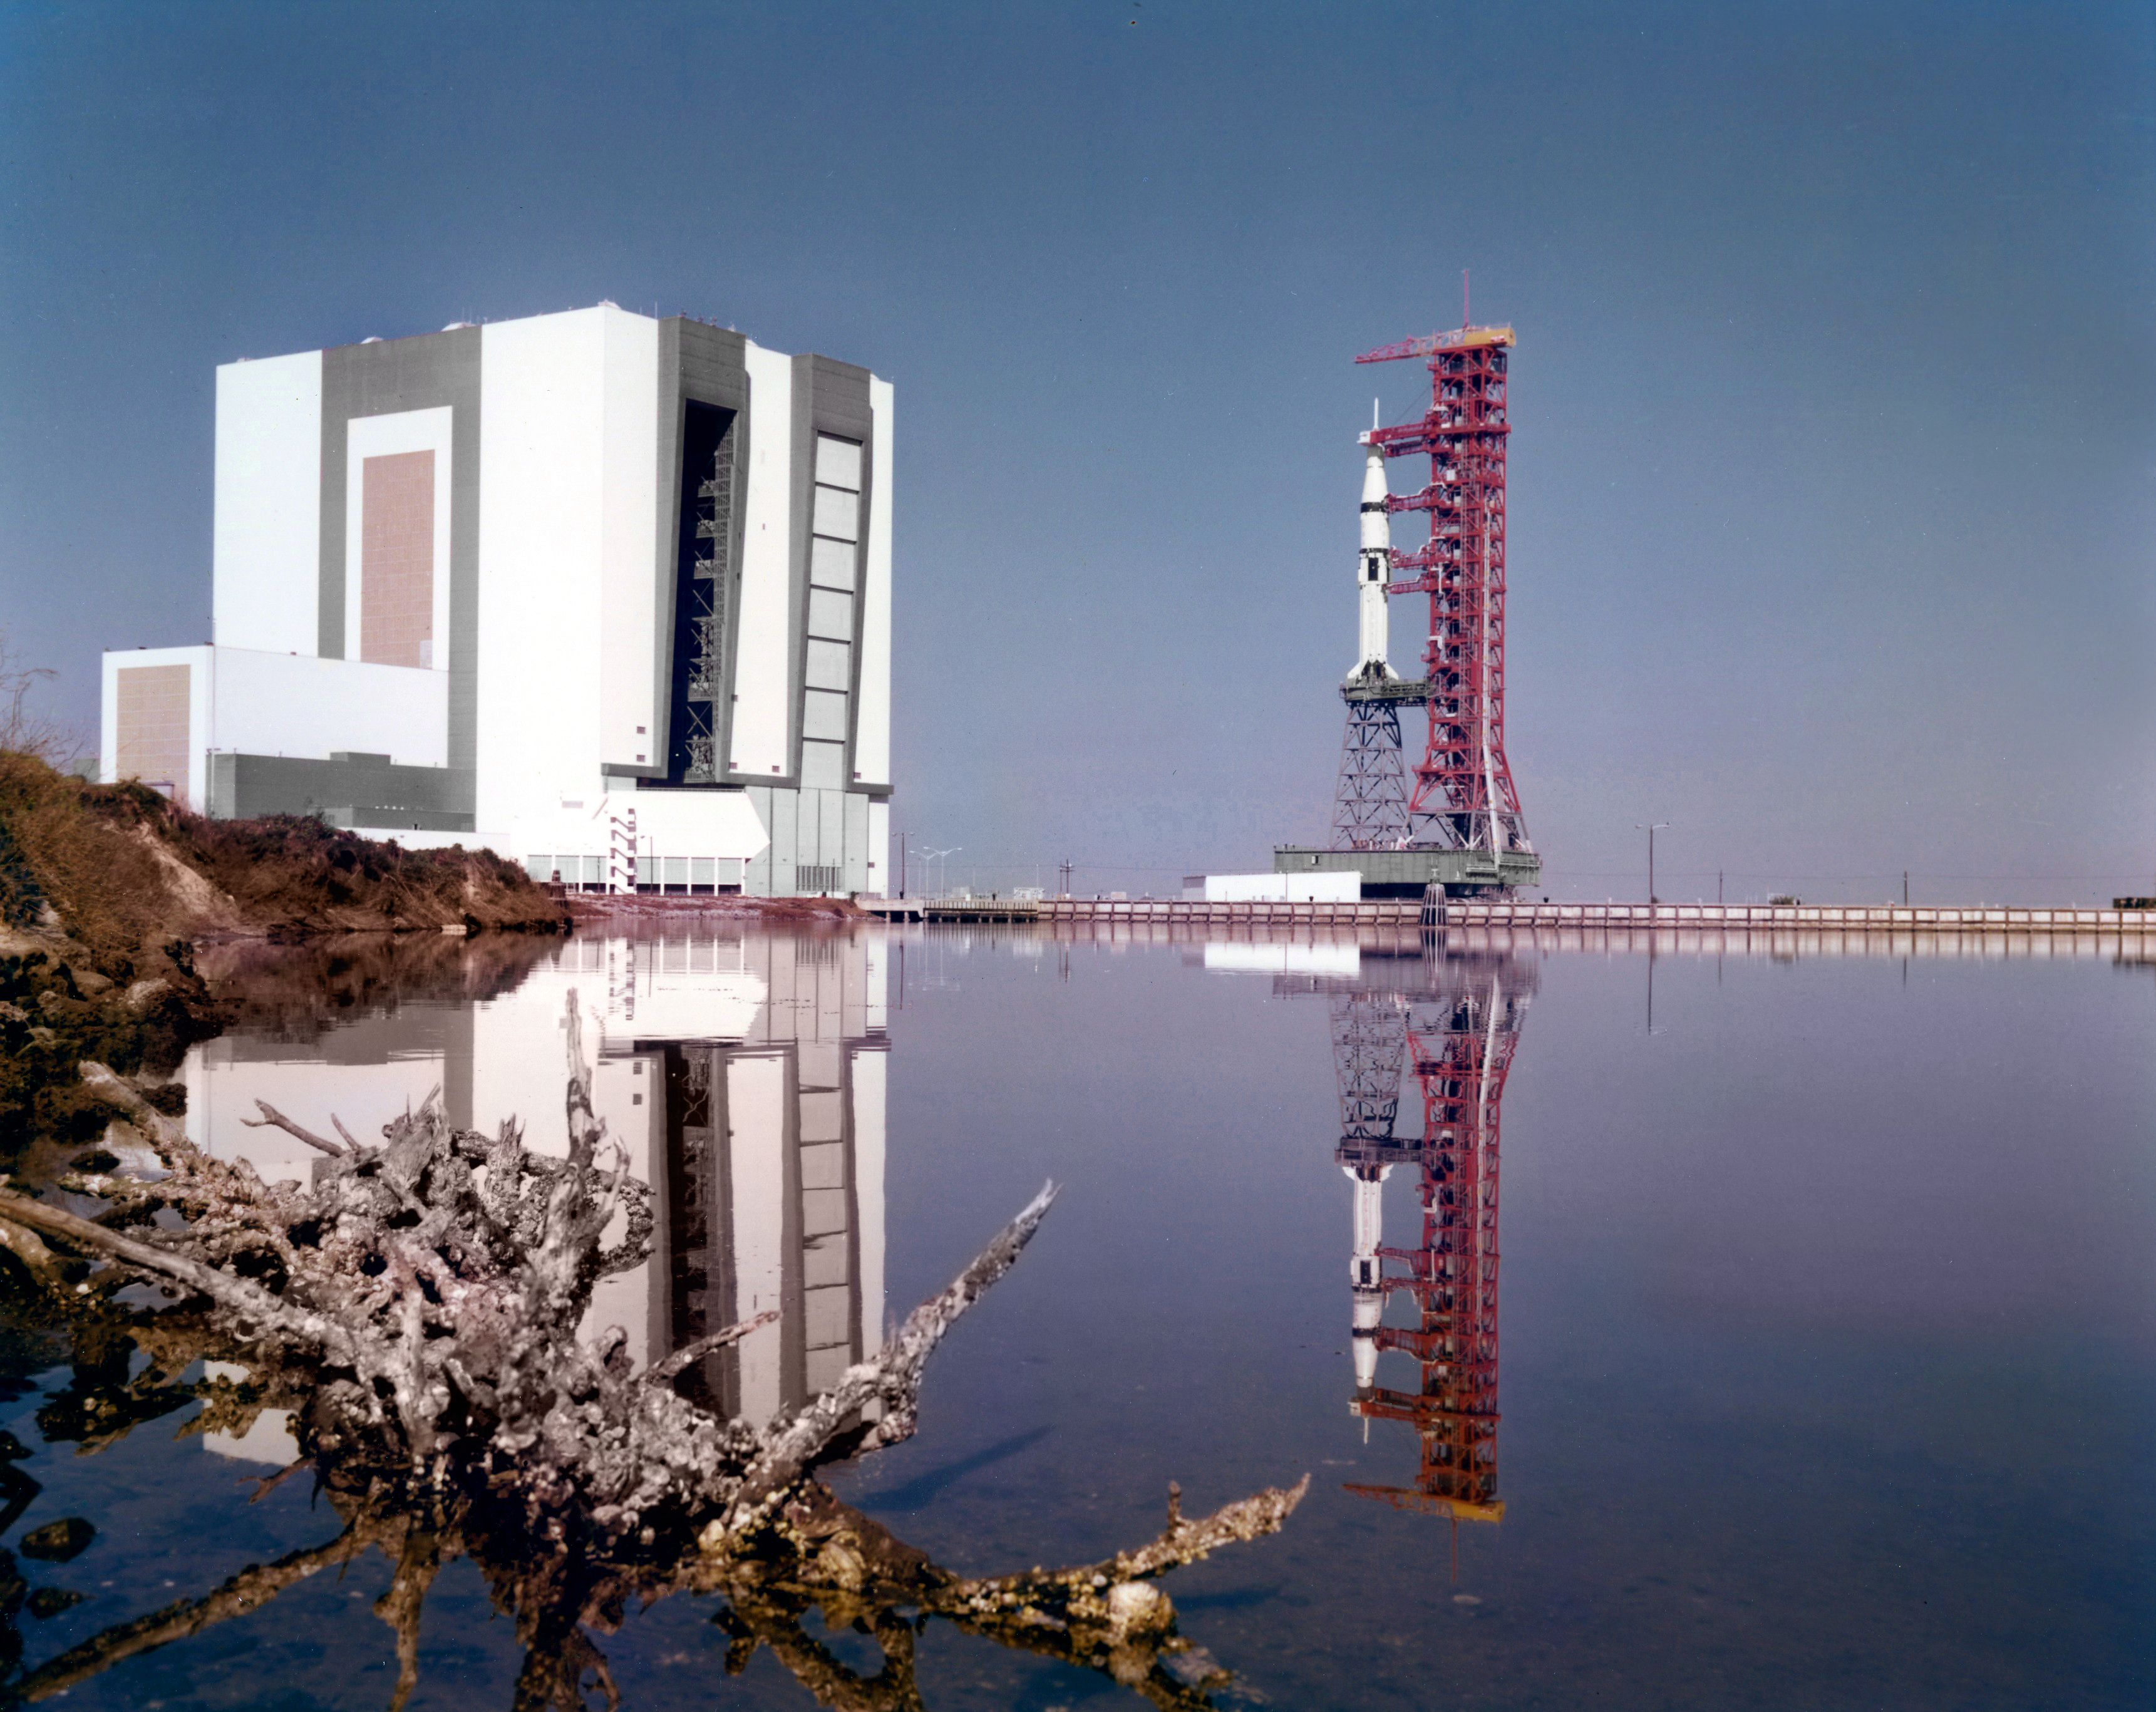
(607, 594)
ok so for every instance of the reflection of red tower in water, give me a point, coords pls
(1460, 1047)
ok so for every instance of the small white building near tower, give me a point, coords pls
(608, 594)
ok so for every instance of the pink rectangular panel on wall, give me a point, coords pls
(152, 743)
(397, 560)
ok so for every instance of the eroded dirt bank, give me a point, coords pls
(107, 890)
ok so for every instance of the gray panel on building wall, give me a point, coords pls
(391, 375)
(831, 614)
(822, 1166)
(842, 396)
(457, 1065)
(833, 397)
(785, 850)
(666, 573)
(820, 1063)
(838, 462)
(823, 1211)
(224, 786)
(832, 564)
(819, 1122)
(827, 1316)
(822, 767)
(755, 878)
(838, 514)
(859, 877)
(830, 400)
(831, 818)
(830, 665)
(714, 362)
(823, 715)
(347, 790)
(822, 1368)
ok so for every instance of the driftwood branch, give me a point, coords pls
(689, 1355)
(271, 1118)
(162, 1132)
(416, 1310)
(252, 1588)
(1089, 1592)
(242, 1296)
(890, 1380)
(45, 1267)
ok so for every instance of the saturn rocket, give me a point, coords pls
(1373, 569)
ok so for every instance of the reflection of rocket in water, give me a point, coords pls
(1369, 1044)
(1366, 1271)
(1456, 1025)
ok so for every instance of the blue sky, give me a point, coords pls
(1834, 463)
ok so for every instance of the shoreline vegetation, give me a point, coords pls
(118, 908)
(107, 892)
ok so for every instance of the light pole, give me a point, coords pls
(1651, 829)
(928, 856)
(1660, 826)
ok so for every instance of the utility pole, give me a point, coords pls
(1905, 888)
(901, 864)
(1660, 826)
(1718, 887)
(1063, 869)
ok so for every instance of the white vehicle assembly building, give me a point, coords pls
(608, 594)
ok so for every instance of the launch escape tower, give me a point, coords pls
(1459, 1033)
(1459, 825)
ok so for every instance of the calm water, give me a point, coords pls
(1808, 1361)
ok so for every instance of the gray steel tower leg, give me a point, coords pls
(1370, 809)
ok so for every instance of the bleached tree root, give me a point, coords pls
(417, 1308)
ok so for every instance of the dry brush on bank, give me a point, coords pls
(417, 1309)
(105, 890)
(121, 867)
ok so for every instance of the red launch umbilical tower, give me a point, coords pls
(1463, 797)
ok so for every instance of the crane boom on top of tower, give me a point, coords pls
(1459, 339)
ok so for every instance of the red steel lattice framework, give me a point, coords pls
(1464, 797)
(1461, 1051)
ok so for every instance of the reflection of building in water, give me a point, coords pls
(1455, 1023)
(745, 1078)
(774, 1198)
